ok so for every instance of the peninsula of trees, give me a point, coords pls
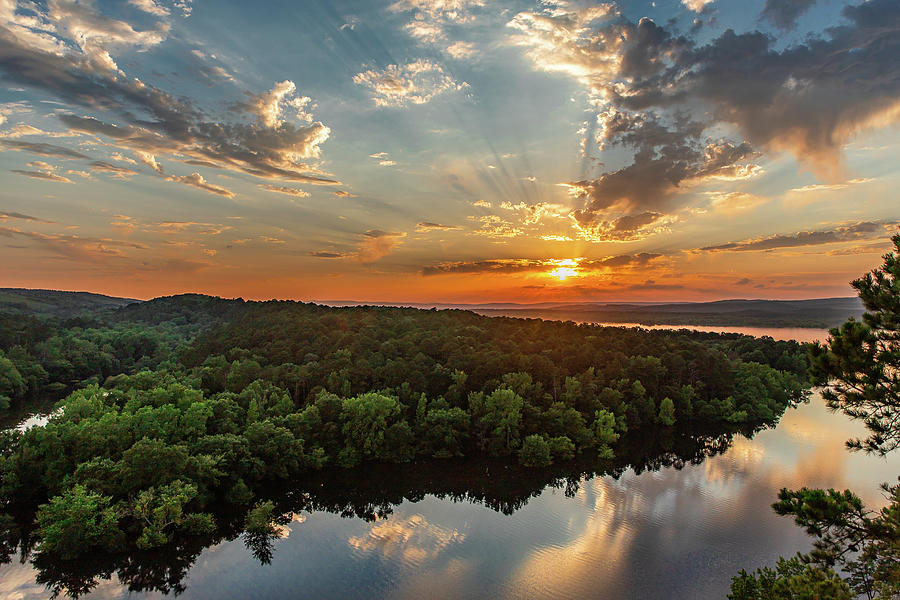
(181, 412)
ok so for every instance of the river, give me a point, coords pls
(677, 532)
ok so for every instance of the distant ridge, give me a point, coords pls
(818, 312)
(56, 303)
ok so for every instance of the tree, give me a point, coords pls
(666, 416)
(535, 452)
(861, 363)
(78, 521)
(791, 579)
(861, 360)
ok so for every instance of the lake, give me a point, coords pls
(676, 529)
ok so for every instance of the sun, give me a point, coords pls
(564, 268)
(563, 273)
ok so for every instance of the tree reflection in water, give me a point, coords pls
(369, 493)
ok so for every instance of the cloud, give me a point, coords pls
(846, 233)
(383, 160)
(344, 194)
(881, 247)
(577, 266)
(495, 227)
(499, 265)
(445, 10)
(42, 149)
(6, 215)
(533, 213)
(376, 244)
(784, 14)
(461, 50)
(625, 228)
(696, 5)
(426, 226)
(150, 160)
(196, 180)
(270, 106)
(417, 82)
(663, 95)
(734, 202)
(92, 250)
(329, 254)
(280, 189)
(42, 175)
(830, 187)
(114, 170)
(65, 51)
(151, 7)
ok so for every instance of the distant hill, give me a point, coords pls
(822, 312)
(54, 303)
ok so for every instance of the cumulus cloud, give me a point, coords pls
(862, 230)
(150, 160)
(196, 180)
(696, 5)
(376, 244)
(417, 82)
(270, 106)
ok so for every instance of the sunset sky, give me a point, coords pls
(448, 150)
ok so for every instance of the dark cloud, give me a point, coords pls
(856, 231)
(744, 281)
(784, 13)
(663, 95)
(809, 98)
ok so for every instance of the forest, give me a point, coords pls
(179, 413)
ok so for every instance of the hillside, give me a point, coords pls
(54, 303)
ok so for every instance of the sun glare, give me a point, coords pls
(565, 268)
(564, 273)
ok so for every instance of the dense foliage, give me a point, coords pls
(861, 365)
(189, 409)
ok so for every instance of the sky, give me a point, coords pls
(448, 150)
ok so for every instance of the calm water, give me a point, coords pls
(666, 533)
